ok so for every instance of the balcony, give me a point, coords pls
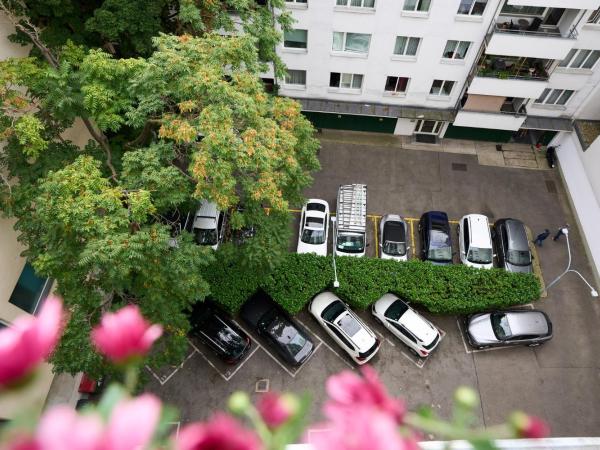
(510, 77)
(576, 4)
(484, 111)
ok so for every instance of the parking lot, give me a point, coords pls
(558, 381)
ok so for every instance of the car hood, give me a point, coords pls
(317, 249)
(517, 269)
(396, 258)
(480, 329)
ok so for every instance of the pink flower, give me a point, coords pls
(362, 428)
(348, 391)
(276, 409)
(125, 334)
(222, 432)
(133, 423)
(61, 428)
(529, 426)
(29, 341)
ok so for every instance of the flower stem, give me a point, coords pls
(131, 377)
(450, 431)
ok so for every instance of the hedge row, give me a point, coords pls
(454, 289)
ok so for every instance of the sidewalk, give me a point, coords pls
(512, 155)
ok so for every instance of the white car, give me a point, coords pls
(314, 227)
(475, 241)
(344, 326)
(406, 324)
(208, 225)
(392, 234)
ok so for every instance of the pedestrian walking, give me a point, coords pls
(542, 237)
(559, 233)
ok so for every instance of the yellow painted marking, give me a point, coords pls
(376, 239)
(412, 237)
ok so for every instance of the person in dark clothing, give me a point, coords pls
(559, 233)
(542, 237)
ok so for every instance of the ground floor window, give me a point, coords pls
(428, 126)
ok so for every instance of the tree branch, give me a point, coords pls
(101, 138)
(143, 136)
(183, 172)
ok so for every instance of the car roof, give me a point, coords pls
(479, 231)
(206, 215)
(415, 324)
(517, 236)
(527, 322)
(437, 216)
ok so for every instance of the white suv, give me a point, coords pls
(475, 241)
(344, 327)
(209, 224)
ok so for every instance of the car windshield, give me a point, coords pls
(350, 243)
(206, 237)
(396, 310)
(439, 246)
(315, 207)
(500, 325)
(480, 255)
(519, 257)
(394, 248)
(349, 324)
(315, 237)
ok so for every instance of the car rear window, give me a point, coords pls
(333, 311)
(315, 207)
(396, 310)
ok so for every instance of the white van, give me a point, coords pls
(209, 224)
(475, 241)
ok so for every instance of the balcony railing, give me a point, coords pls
(508, 27)
(507, 68)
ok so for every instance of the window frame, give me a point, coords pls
(557, 94)
(304, 2)
(455, 50)
(344, 41)
(416, 10)
(594, 18)
(350, 6)
(406, 46)
(305, 48)
(395, 91)
(441, 89)
(471, 8)
(287, 83)
(437, 127)
(353, 75)
(573, 55)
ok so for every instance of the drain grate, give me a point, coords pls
(551, 186)
(459, 167)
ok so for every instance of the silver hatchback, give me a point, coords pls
(512, 246)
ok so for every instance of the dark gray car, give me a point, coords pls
(510, 327)
(512, 246)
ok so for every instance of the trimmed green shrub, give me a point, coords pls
(454, 289)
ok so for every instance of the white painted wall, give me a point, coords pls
(507, 88)
(496, 121)
(405, 127)
(531, 46)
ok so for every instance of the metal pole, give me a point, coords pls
(336, 283)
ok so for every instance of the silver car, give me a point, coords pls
(510, 327)
(392, 233)
(512, 246)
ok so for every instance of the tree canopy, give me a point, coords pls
(188, 121)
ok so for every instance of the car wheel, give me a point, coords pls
(482, 347)
(378, 320)
(537, 344)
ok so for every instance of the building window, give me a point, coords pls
(351, 42)
(295, 38)
(416, 5)
(345, 80)
(428, 126)
(555, 97)
(396, 84)
(580, 59)
(30, 291)
(406, 46)
(456, 49)
(443, 88)
(296, 1)
(296, 77)
(356, 3)
(472, 7)
(595, 17)
(523, 10)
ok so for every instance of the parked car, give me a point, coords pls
(510, 327)
(475, 241)
(282, 333)
(512, 246)
(436, 244)
(393, 231)
(241, 235)
(416, 332)
(314, 227)
(213, 327)
(209, 224)
(344, 326)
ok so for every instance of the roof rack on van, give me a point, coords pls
(352, 207)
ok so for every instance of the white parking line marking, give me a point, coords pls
(239, 366)
(212, 365)
(308, 359)
(163, 380)
(325, 344)
(262, 385)
(176, 425)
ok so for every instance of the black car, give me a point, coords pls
(271, 322)
(436, 245)
(217, 331)
(512, 246)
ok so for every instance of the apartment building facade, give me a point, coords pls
(498, 70)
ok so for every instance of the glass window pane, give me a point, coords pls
(358, 43)
(554, 96)
(413, 45)
(423, 5)
(465, 6)
(479, 7)
(400, 45)
(591, 61)
(338, 41)
(428, 126)
(295, 38)
(447, 87)
(449, 50)
(296, 77)
(410, 5)
(463, 48)
(346, 80)
(564, 98)
(357, 81)
(30, 290)
(355, 2)
(541, 98)
(334, 79)
(436, 87)
(565, 62)
(580, 57)
(402, 83)
(390, 83)
(369, 3)
(341, 2)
